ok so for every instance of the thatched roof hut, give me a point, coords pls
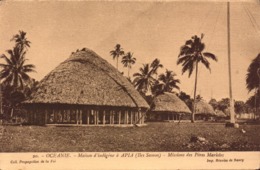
(203, 108)
(219, 113)
(227, 111)
(169, 102)
(168, 106)
(88, 82)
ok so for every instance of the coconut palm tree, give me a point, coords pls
(116, 53)
(253, 78)
(15, 72)
(128, 60)
(21, 41)
(191, 54)
(156, 65)
(169, 81)
(144, 80)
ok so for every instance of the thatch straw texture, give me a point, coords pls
(87, 79)
(169, 102)
(204, 108)
(219, 113)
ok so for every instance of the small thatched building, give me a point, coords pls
(220, 116)
(168, 107)
(204, 111)
(85, 89)
(219, 113)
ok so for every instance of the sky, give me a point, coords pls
(149, 29)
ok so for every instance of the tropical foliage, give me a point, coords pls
(191, 54)
(116, 53)
(15, 72)
(253, 74)
(253, 83)
(128, 60)
(21, 41)
(144, 80)
(254, 102)
(186, 98)
(156, 65)
(166, 83)
(16, 84)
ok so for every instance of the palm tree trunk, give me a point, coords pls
(258, 73)
(1, 100)
(1, 104)
(255, 104)
(232, 113)
(195, 90)
(128, 71)
(117, 63)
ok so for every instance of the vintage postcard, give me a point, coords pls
(129, 84)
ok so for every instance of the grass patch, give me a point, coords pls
(154, 137)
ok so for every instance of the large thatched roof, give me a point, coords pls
(203, 107)
(87, 79)
(169, 102)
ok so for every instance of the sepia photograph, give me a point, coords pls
(152, 78)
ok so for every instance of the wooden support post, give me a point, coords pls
(80, 113)
(119, 117)
(136, 117)
(127, 112)
(77, 117)
(62, 115)
(97, 112)
(54, 115)
(139, 117)
(131, 117)
(94, 116)
(104, 117)
(110, 117)
(88, 112)
(124, 118)
(113, 117)
(144, 116)
(69, 113)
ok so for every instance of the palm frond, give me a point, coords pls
(7, 59)
(206, 63)
(183, 59)
(210, 55)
